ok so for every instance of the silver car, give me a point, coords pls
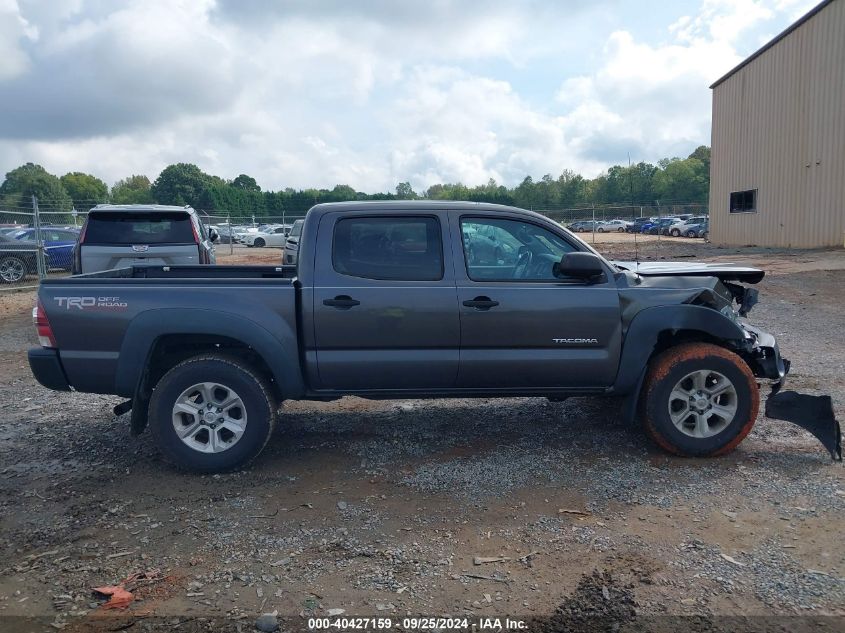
(122, 235)
(289, 257)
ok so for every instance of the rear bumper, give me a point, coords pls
(47, 368)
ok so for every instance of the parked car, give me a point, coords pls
(613, 226)
(18, 258)
(120, 235)
(680, 228)
(637, 225)
(698, 230)
(58, 244)
(658, 225)
(207, 354)
(291, 253)
(225, 233)
(582, 226)
(8, 230)
(269, 236)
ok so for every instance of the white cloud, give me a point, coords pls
(308, 93)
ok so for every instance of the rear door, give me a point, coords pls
(384, 306)
(116, 239)
(521, 327)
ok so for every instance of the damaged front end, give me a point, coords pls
(715, 286)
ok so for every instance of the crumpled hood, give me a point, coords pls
(722, 271)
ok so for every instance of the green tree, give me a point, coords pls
(247, 183)
(134, 189)
(404, 191)
(682, 181)
(33, 180)
(180, 184)
(84, 189)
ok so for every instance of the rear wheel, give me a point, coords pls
(675, 233)
(12, 269)
(211, 413)
(600, 230)
(621, 229)
(705, 235)
(699, 400)
(691, 234)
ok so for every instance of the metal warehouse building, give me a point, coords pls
(777, 174)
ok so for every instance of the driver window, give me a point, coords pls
(510, 250)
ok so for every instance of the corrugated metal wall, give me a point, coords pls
(779, 127)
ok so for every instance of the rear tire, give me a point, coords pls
(699, 400)
(621, 229)
(211, 444)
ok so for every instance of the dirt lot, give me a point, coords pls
(381, 508)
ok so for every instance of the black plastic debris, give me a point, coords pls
(811, 413)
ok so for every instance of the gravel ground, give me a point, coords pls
(384, 508)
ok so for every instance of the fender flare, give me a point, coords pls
(647, 325)
(279, 349)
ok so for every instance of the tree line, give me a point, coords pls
(671, 180)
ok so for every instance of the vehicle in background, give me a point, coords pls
(680, 228)
(9, 230)
(657, 227)
(271, 235)
(489, 245)
(120, 235)
(582, 226)
(225, 234)
(702, 229)
(637, 225)
(58, 244)
(388, 303)
(290, 256)
(17, 259)
(240, 232)
(611, 226)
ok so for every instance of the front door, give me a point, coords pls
(385, 309)
(521, 327)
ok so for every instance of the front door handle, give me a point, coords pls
(481, 303)
(342, 302)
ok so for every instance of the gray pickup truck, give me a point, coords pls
(410, 300)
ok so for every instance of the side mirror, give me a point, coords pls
(213, 235)
(585, 266)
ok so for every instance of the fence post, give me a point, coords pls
(39, 243)
(594, 224)
(231, 238)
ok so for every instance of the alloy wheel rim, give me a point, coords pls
(11, 269)
(703, 403)
(209, 417)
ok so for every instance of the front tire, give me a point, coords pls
(12, 269)
(211, 413)
(699, 400)
(259, 243)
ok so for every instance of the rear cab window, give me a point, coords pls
(407, 248)
(120, 227)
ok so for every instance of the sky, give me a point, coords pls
(314, 93)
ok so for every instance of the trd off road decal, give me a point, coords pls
(91, 303)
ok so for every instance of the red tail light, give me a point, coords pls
(42, 325)
(82, 232)
(196, 233)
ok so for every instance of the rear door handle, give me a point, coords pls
(342, 302)
(481, 303)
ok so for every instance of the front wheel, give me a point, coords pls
(699, 400)
(600, 230)
(675, 233)
(259, 242)
(621, 229)
(211, 413)
(12, 269)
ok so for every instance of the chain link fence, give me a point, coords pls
(38, 237)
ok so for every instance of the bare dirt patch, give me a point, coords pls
(383, 508)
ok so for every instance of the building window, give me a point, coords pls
(744, 201)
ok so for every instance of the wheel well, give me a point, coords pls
(671, 338)
(171, 349)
